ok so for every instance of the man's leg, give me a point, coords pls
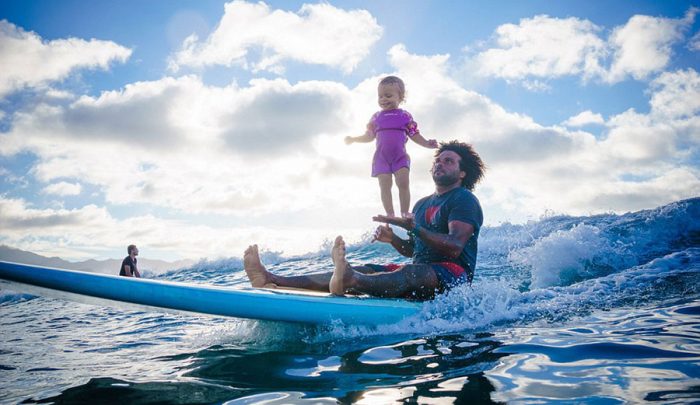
(410, 281)
(402, 176)
(385, 193)
(260, 277)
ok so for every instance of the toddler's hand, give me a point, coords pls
(348, 140)
(433, 143)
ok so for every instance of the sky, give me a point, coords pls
(194, 129)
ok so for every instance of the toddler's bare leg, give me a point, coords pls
(385, 183)
(402, 181)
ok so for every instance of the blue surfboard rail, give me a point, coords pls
(251, 303)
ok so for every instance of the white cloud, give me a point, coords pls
(676, 94)
(638, 138)
(151, 107)
(144, 116)
(537, 86)
(673, 184)
(694, 42)
(273, 116)
(543, 46)
(547, 47)
(63, 188)
(29, 61)
(643, 45)
(444, 110)
(58, 94)
(72, 233)
(16, 218)
(584, 118)
(670, 132)
(532, 167)
(316, 34)
(179, 144)
(237, 154)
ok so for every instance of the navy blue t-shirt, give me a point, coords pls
(435, 212)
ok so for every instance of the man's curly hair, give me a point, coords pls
(470, 162)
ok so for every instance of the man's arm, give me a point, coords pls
(450, 245)
(127, 270)
(136, 272)
(453, 243)
(385, 234)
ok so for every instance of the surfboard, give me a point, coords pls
(238, 302)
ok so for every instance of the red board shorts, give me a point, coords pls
(449, 274)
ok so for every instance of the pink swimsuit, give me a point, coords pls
(392, 129)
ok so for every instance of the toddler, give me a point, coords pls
(392, 127)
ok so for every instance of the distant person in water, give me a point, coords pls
(129, 266)
(392, 127)
(443, 231)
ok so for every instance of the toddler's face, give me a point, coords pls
(389, 96)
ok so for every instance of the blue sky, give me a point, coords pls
(195, 128)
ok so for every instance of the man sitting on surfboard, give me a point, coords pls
(443, 231)
(129, 267)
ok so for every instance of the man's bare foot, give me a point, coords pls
(258, 275)
(343, 274)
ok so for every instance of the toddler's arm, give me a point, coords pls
(426, 143)
(367, 137)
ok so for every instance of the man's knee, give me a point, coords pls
(424, 274)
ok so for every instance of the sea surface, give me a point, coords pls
(598, 309)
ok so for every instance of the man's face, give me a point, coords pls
(446, 170)
(136, 251)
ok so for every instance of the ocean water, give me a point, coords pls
(600, 309)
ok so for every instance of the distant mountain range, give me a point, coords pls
(109, 266)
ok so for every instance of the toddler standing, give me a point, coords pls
(392, 127)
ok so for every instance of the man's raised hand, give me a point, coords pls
(406, 222)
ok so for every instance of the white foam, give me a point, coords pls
(497, 303)
(12, 296)
(567, 256)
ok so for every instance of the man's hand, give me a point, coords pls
(407, 222)
(384, 233)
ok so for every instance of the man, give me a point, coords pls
(129, 268)
(443, 231)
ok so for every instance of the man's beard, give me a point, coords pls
(445, 179)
